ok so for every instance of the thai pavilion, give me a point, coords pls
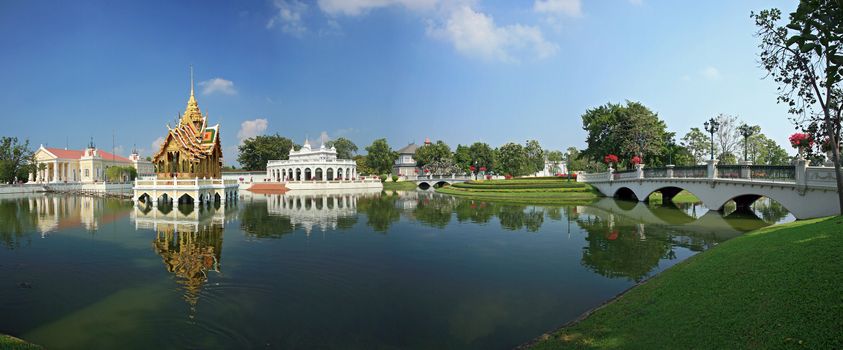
(189, 162)
(309, 169)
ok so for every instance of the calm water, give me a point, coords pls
(409, 270)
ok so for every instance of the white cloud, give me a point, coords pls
(357, 7)
(252, 128)
(711, 73)
(156, 145)
(323, 137)
(567, 7)
(289, 17)
(475, 33)
(220, 85)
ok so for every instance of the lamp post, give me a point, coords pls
(711, 126)
(670, 143)
(746, 132)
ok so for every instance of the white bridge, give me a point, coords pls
(427, 181)
(807, 192)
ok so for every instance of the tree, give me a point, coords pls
(625, 130)
(15, 159)
(577, 162)
(121, 173)
(345, 148)
(534, 157)
(482, 156)
(362, 166)
(555, 158)
(698, 144)
(762, 150)
(803, 57)
(462, 158)
(380, 157)
(727, 136)
(433, 152)
(511, 158)
(255, 152)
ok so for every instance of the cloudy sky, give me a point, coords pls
(460, 71)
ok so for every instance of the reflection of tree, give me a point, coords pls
(770, 210)
(17, 221)
(515, 217)
(189, 255)
(616, 250)
(435, 211)
(381, 211)
(256, 221)
(475, 211)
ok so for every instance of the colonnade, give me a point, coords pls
(306, 173)
(58, 171)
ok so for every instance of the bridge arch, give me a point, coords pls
(424, 185)
(441, 184)
(625, 193)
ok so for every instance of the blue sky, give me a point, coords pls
(460, 71)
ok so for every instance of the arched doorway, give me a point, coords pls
(330, 174)
(318, 174)
(307, 174)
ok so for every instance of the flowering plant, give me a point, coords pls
(472, 168)
(636, 160)
(426, 170)
(801, 139)
(610, 159)
(482, 168)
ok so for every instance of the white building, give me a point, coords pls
(308, 164)
(405, 165)
(85, 166)
(551, 169)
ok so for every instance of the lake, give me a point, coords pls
(331, 270)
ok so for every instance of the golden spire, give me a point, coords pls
(192, 114)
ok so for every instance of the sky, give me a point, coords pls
(460, 70)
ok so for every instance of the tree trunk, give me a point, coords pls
(838, 175)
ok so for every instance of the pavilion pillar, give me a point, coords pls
(55, 171)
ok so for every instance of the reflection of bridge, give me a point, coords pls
(428, 181)
(807, 192)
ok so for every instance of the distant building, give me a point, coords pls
(405, 165)
(308, 164)
(551, 169)
(87, 166)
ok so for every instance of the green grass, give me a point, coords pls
(681, 197)
(12, 343)
(530, 191)
(778, 287)
(399, 186)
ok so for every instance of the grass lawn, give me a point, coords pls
(399, 186)
(12, 343)
(681, 197)
(778, 287)
(529, 191)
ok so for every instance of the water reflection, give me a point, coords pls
(274, 215)
(189, 242)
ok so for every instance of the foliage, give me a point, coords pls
(462, 158)
(511, 158)
(577, 162)
(800, 139)
(780, 275)
(555, 158)
(534, 157)
(345, 148)
(481, 156)
(382, 177)
(380, 157)
(727, 136)
(804, 58)
(610, 159)
(118, 173)
(764, 151)
(362, 165)
(256, 151)
(727, 158)
(698, 144)
(394, 178)
(433, 152)
(625, 130)
(15, 160)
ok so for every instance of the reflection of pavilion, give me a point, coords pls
(309, 209)
(189, 243)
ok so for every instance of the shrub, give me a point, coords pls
(383, 178)
(508, 176)
(394, 178)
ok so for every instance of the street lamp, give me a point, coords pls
(746, 132)
(670, 143)
(711, 126)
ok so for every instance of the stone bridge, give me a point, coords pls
(807, 192)
(428, 181)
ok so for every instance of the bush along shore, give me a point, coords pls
(11, 343)
(778, 287)
(525, 190)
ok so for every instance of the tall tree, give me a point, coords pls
(462, 158)
(624, 130)
(535, 157)
(727, 137)
(555, 158)
(482, 155)
(764, 151)
(698, 143)
(804, 57)
(380, 157)
(15, 159)
(511, 159)
(255, 152)
(345, 148)
(433, 152)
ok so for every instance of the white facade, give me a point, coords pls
(56, 165)
(551, 169)
(308, 164)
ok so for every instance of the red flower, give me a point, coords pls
(801, 139)
(416, 170)
(613, 236)
(636, 160)
(471, 168)
(427, 170)
(610, 159)
(482, 168)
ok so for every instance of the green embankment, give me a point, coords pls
(399, 186)
(681, 197)
(778, 287)
(12, 343)
(529, 190)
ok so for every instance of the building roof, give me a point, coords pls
(408, 149)
(75, 154)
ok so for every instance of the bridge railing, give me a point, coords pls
(625, 175)
(729, 171)
(772, 172)
(696, 171)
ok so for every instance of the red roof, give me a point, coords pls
(74, 154)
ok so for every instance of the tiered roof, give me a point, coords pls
(192, 133)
